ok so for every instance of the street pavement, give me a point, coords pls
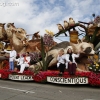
(14, 90)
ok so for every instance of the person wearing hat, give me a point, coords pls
(12, 57)
(70, 60)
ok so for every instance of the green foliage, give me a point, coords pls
(87, 37)
(43, 55)
(94, 68)
(94, 35)
(48, 60)
(47, 41)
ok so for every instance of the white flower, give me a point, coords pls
(90, 67)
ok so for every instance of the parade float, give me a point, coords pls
(44, 50)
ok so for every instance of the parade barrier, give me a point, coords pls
(53, 77)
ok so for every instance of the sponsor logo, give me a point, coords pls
(21, 77)
(62, 80)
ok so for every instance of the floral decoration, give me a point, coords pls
(94, 68)
(97, 20)
(42, 75)
(5, 74)
(48, 40)
(35, 56)
(93, 78)
(6, 64)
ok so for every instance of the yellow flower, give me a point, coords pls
(49, 32)
(96, 67)
(96, 64)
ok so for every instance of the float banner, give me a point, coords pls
(21, 77)
(71, 80)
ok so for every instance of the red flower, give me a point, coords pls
(6, 64)
(93, 78)
(5, 74)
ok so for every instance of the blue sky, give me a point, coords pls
(38, 15)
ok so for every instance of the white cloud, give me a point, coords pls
(38, 15)
(52, 1)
